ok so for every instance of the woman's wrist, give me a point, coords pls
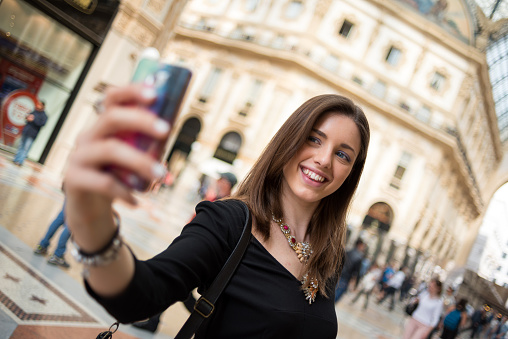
(103, 256)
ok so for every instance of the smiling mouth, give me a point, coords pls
(312, 175)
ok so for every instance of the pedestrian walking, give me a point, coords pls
(392, 286)
(493, 326)
(57, 258)
(407, 285)
(448, 305)
(388, 271)
(367, 284)
(478, 321)
(454, 319)
(427, 314)
(34, 122)
(501, 329)
(351, 270)
(298, 193)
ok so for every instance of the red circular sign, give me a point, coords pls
(16, 106)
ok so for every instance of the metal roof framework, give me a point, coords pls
(497, 59)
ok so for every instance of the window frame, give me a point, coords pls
(350, 30)
(393, 56)
(289, 9)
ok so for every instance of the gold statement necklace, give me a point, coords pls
(303, 251)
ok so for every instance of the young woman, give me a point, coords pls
(427, 314)
(456, 318)
(301, 187)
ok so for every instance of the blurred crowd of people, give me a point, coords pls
(436, 312)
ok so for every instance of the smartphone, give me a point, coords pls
(170, 83)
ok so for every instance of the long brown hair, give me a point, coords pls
(262, 187)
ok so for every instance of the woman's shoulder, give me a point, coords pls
(226, 208)
(227, 215)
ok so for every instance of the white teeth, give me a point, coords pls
(313, 175)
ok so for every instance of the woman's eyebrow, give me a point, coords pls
(320, 133)
(348, 147)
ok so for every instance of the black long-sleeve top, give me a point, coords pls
(262, 300)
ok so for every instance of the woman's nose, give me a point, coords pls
(323, 158)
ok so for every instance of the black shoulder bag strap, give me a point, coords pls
(205, 305)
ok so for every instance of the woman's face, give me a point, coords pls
(324, 161)
(433, 289)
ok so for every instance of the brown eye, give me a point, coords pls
(313, 139)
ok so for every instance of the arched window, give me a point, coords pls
(177, 158)
(228, 147)
(188, 134)
(379, 216)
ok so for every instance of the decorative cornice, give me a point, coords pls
(489, 30)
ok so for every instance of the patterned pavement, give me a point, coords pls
(38, 300)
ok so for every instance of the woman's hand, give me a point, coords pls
(90, 189)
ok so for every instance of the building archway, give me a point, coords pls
(183, 145)
(228, 148)
(489, 253)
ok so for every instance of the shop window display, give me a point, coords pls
(40, 59)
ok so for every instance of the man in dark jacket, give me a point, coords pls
(351, 269)
(34, 121)
(478, 321)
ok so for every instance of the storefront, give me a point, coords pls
(46, 50)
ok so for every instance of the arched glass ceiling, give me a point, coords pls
(497, 59)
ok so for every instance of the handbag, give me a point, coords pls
(411, 307)
(205, 305)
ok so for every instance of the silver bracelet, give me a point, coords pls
(102, 257)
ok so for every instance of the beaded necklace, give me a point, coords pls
(303, 251)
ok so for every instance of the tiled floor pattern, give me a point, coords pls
(31, 298)
(38, 300)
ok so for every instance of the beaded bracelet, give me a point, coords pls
(105, 255)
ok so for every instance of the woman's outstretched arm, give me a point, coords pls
(91, 190)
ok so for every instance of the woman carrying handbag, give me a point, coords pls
(298, 194)
(427, 313)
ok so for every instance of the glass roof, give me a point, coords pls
(497, 59)
(498, 9)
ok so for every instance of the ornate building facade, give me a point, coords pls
(418, 69)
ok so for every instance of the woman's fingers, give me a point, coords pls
(134, 119)
(113, 151)
(104, 184)
(129, 95)
(124, 114)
